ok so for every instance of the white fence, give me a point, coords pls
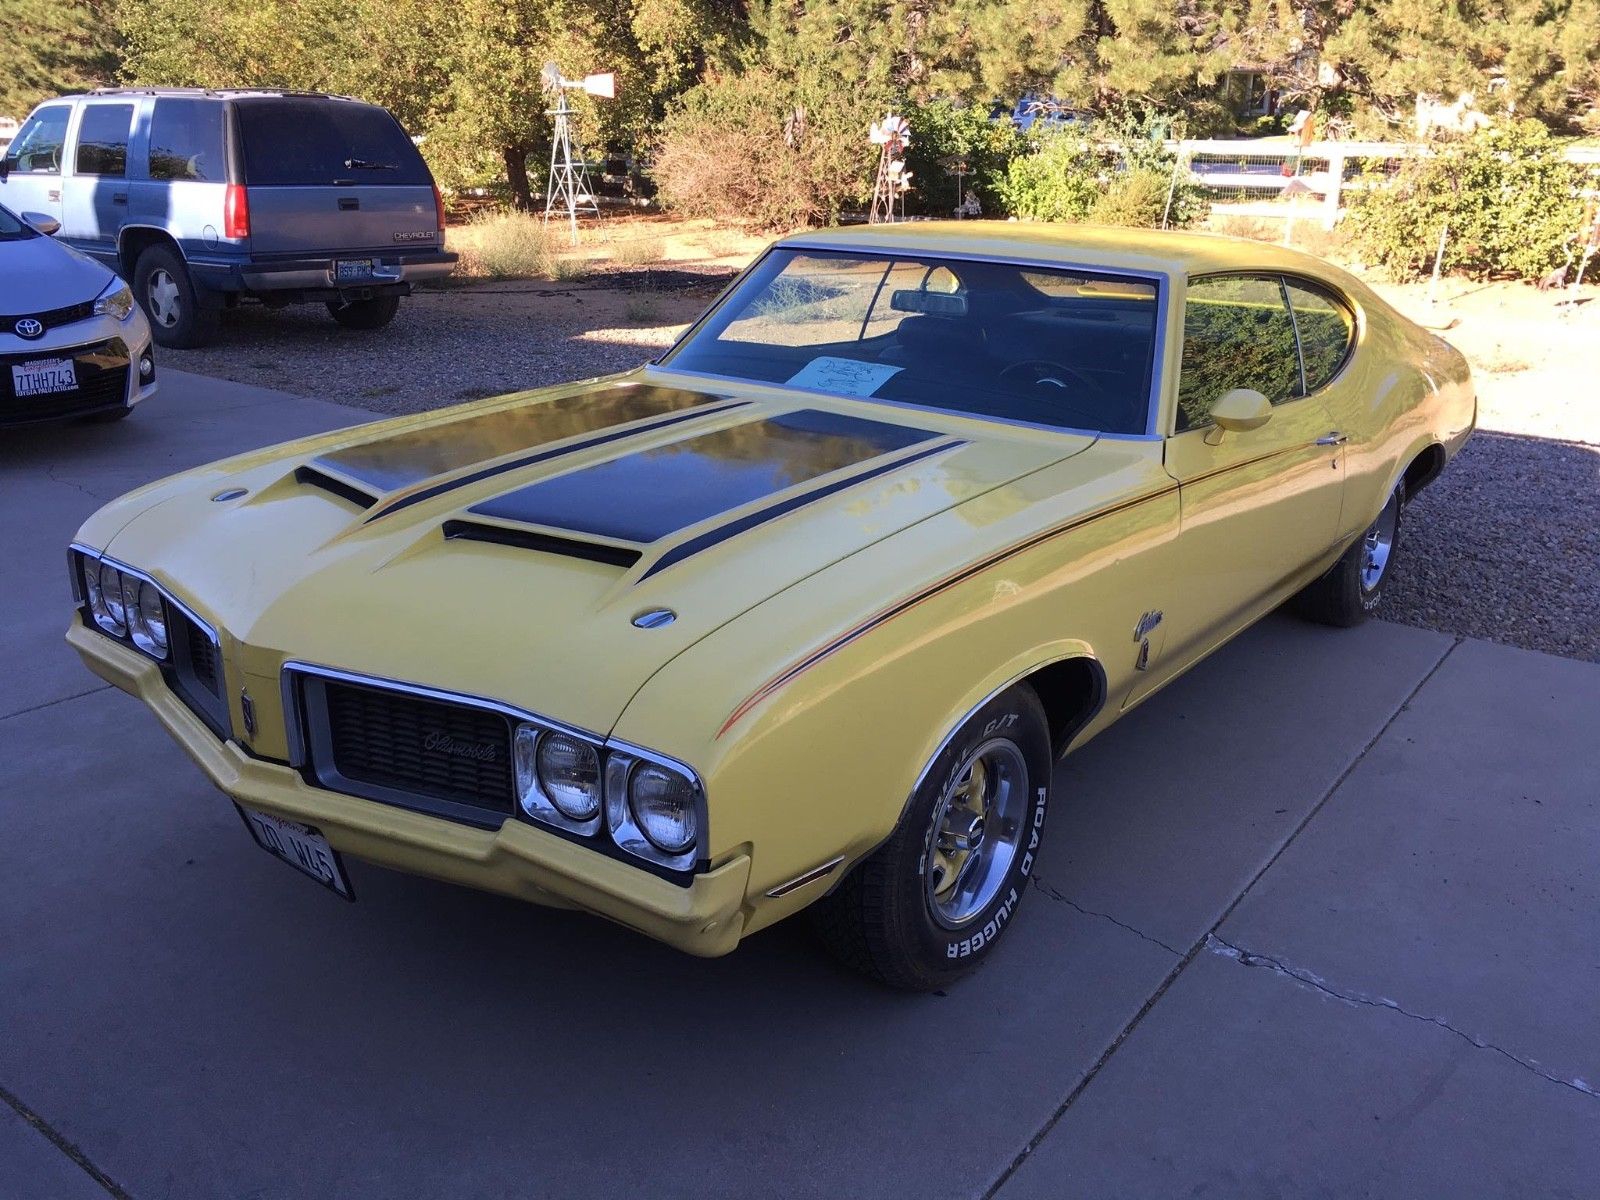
(1281, 181)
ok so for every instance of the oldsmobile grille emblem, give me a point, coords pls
(29, 328)
(442, 743)
(247, 710)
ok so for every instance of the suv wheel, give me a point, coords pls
(179, 315)
(930, 904)
(372, 313)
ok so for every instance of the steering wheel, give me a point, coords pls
(1045, 377)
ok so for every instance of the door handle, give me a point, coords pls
(349, 203)
(1333, 439)
(119, 197)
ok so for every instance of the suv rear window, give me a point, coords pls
(300, 141)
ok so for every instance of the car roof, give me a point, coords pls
(202, 93)
(1175, 253)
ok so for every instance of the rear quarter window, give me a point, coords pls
(187, 141)
(294, 141)
(1326, 330)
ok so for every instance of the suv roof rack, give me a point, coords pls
(220, 92)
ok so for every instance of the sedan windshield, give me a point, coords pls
(1061, 347)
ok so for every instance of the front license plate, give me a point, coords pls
(42, 376)
(301, 846)
(346, 269)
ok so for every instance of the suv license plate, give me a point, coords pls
(347, 269)
(42, 376)
(301, 846)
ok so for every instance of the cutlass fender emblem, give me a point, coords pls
(1146, 625)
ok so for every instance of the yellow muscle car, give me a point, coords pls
(801, 614)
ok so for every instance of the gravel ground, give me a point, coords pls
(1504, 546)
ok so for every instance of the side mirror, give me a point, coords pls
(1237, 411)
(46, 225)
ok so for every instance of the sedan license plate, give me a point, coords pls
(301, 846)
(347, 269)
(42, 376)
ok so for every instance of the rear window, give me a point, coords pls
(295, 141)
(187, 142)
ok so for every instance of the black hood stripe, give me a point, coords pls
(722, 533)
(539, 456)
(391, 464)
(652, 494)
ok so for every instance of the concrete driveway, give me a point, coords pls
(1323, 919)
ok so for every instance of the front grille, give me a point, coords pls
(411, 746)
(51, 318)
(194, 671)
(203, 658)
(102, 373)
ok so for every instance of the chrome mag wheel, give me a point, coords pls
(165, 304)
(978, 825)
(1378, 543)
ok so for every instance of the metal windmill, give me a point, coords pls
(894, 180)
(568, 188)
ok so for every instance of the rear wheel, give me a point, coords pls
(372, 313)
(930, 904)
(1353, 587)
(180, 313)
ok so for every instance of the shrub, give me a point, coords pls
(638, 251)
(942, 130)
(1508, 197)
(755, 147)
(508, 245)
(1118, 172)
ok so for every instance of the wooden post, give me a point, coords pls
(1336, 161)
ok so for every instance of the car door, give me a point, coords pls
(1257, 507)
(32, 166)
(96, 201)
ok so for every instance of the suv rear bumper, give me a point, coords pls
(313, 277)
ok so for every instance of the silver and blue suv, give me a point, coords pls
(204, 198)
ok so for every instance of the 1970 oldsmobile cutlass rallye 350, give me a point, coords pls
(801, 614)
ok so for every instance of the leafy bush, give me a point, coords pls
(941, 130)
(757, 147)
(1118, 172)
(1508, 197)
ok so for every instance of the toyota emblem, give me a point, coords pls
(29, 327)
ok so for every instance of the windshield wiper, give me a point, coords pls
(362, 164)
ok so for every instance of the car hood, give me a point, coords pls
(554, 550)
(45, 275)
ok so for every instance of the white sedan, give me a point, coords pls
(72, 341)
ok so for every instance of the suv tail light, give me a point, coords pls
(438, 209)
(236, 212)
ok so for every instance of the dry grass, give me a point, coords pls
(641, 310)
(638, 251)
(513, 245)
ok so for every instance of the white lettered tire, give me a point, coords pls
(932, 902)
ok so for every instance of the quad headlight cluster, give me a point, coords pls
(650, 807)
(123, 603)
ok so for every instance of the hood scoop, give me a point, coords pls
(548, 543)
(308, 476)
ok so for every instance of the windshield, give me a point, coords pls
(1062, 347)
(12, 229)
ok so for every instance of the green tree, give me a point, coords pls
(53, 47)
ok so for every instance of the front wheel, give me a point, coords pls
(1353, 587)
(180, 313)
(930, 904)
(372, 313)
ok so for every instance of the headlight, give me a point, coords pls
(147, 617)
(116, 301)
(558, 778)
(663, 803)
(109, 580)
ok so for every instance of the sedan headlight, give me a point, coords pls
(122, 602)
(558, 778)
(663, 804)
(654, 808)
(116, 301)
